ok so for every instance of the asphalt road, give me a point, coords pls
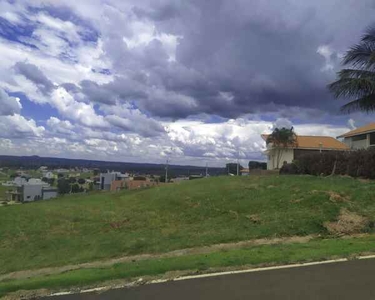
(343, 280)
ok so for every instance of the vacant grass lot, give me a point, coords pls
(75, 229)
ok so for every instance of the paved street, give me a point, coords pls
(344, 280)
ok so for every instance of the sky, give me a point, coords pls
(190, 80)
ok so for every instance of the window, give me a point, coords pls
(372, 138)
(359, 137)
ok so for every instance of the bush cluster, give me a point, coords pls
(358, 163)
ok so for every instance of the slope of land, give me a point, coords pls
(83, 228)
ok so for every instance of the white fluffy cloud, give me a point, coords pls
(78, 111)
(9, 105)
(16, 126)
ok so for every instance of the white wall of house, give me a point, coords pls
(32, 192)
(49, 194)
(287, 155)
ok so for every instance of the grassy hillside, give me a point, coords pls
(78, 228)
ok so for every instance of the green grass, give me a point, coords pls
(267, 254)
(82, 228)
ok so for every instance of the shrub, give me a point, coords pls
(81, 181)
(357, 163)
(290, 169)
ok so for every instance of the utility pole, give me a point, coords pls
(238, 166)
(166, 171)
(206, 169)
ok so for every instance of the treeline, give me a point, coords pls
(35, 162)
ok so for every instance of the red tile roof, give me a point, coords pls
(316, 142)
(360, 130)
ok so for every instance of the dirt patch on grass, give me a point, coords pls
(254, 218)
(347, 223)
(333, 196)
(336, 197)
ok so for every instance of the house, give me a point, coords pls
(304, 145)
(32, 190)
(49, 175)
(36, 191)
(17, 181)
(106, 179)
(360, 138)
(49, 192)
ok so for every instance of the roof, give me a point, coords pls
(316, 142)
(361, 130)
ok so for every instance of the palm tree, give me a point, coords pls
(281, 139)
(358, 81)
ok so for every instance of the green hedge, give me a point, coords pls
(357, 163)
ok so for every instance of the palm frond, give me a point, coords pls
(361, 55)
(366, 104)
(355, 73)
(352, 87)
(369, 36)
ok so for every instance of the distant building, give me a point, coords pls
(32, 190)
(18, 181)
(179, 179)
(106, 179)
(360, 138)
(245, 172)
(138, 184)
(35, 181)
(49, 175)
(62, 171)
(118, 185)
(49, 192)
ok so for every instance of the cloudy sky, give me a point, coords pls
(196, 81)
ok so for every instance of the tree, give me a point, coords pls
(232, 168)
(358, 81)
(45, 179)
(81, 181)
(281, 139)
(63, 186)
(13, 175)
(51, 181)
(75, 188)
(72, 180)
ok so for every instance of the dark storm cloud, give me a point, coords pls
(235, 57)
(35, 75)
